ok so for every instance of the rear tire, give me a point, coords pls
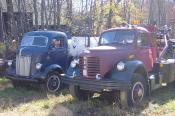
(79, 94)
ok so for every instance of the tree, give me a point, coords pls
(35, 13)
(42, 13)
(109, 23)
(1, 24)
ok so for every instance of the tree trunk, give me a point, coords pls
(59, 11)
(99, 24)
(110, 16)
(35, 13)
(55, 14)
(69, 13)
(1, 25)
(11, 21)
(42, 13)
(151, 12)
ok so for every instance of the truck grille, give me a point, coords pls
(23, 65)
(89, 67)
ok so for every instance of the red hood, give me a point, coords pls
(109, 55)
(103, 48)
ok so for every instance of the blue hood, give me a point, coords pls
(32, 50)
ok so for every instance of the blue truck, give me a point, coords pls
(41, 57)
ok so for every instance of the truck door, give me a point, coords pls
(58, 52)
(144, 52)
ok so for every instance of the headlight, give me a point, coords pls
(74, 63)
(120, 66)
(38, 66)
(9, 62)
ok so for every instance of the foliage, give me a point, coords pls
(2, 48)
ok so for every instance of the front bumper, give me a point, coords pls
(35, 78)
(97, 85)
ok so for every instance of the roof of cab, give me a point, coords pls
(45, 33)
(128, 28)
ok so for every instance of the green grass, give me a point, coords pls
(3, 79)
(34, 102)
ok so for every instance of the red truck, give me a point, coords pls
(129, 61)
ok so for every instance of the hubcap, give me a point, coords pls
(137, 92)
(53, 83)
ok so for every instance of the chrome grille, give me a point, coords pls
(89, 67)
(23, 65)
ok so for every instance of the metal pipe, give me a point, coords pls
(165, 48)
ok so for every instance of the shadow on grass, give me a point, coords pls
(11, 97)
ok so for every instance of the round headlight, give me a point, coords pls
(121, 66)
(38, 66)
(73, 64)
(9, 62)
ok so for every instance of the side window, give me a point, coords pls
(58, 42)
(142, 40)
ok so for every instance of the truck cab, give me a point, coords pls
(127, 61)
(41, 57)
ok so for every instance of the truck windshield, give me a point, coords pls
(38, 41)
(119, 36)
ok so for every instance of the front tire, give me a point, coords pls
(53, 83)
(139, 90)
(79, 94)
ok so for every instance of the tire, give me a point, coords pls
(139, 90)
(79, 94)
(53, 83)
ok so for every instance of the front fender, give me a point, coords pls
(53, 67)
(126, 75)
(73, 71)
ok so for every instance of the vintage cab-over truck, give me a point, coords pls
(129, 61)
(41, 57)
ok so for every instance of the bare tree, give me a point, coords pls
(69, 13)
(59, 4)
(11, 23)
(35, 13)
(100, 20)
(110, 14)
(42, 13)
(1, 24)
(54, 12)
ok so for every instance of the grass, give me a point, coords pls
(3, 79)
(30, 102)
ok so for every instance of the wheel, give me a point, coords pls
(79, 94)
(53, 83)
(139, 90)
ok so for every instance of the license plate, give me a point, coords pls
(84, 72)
